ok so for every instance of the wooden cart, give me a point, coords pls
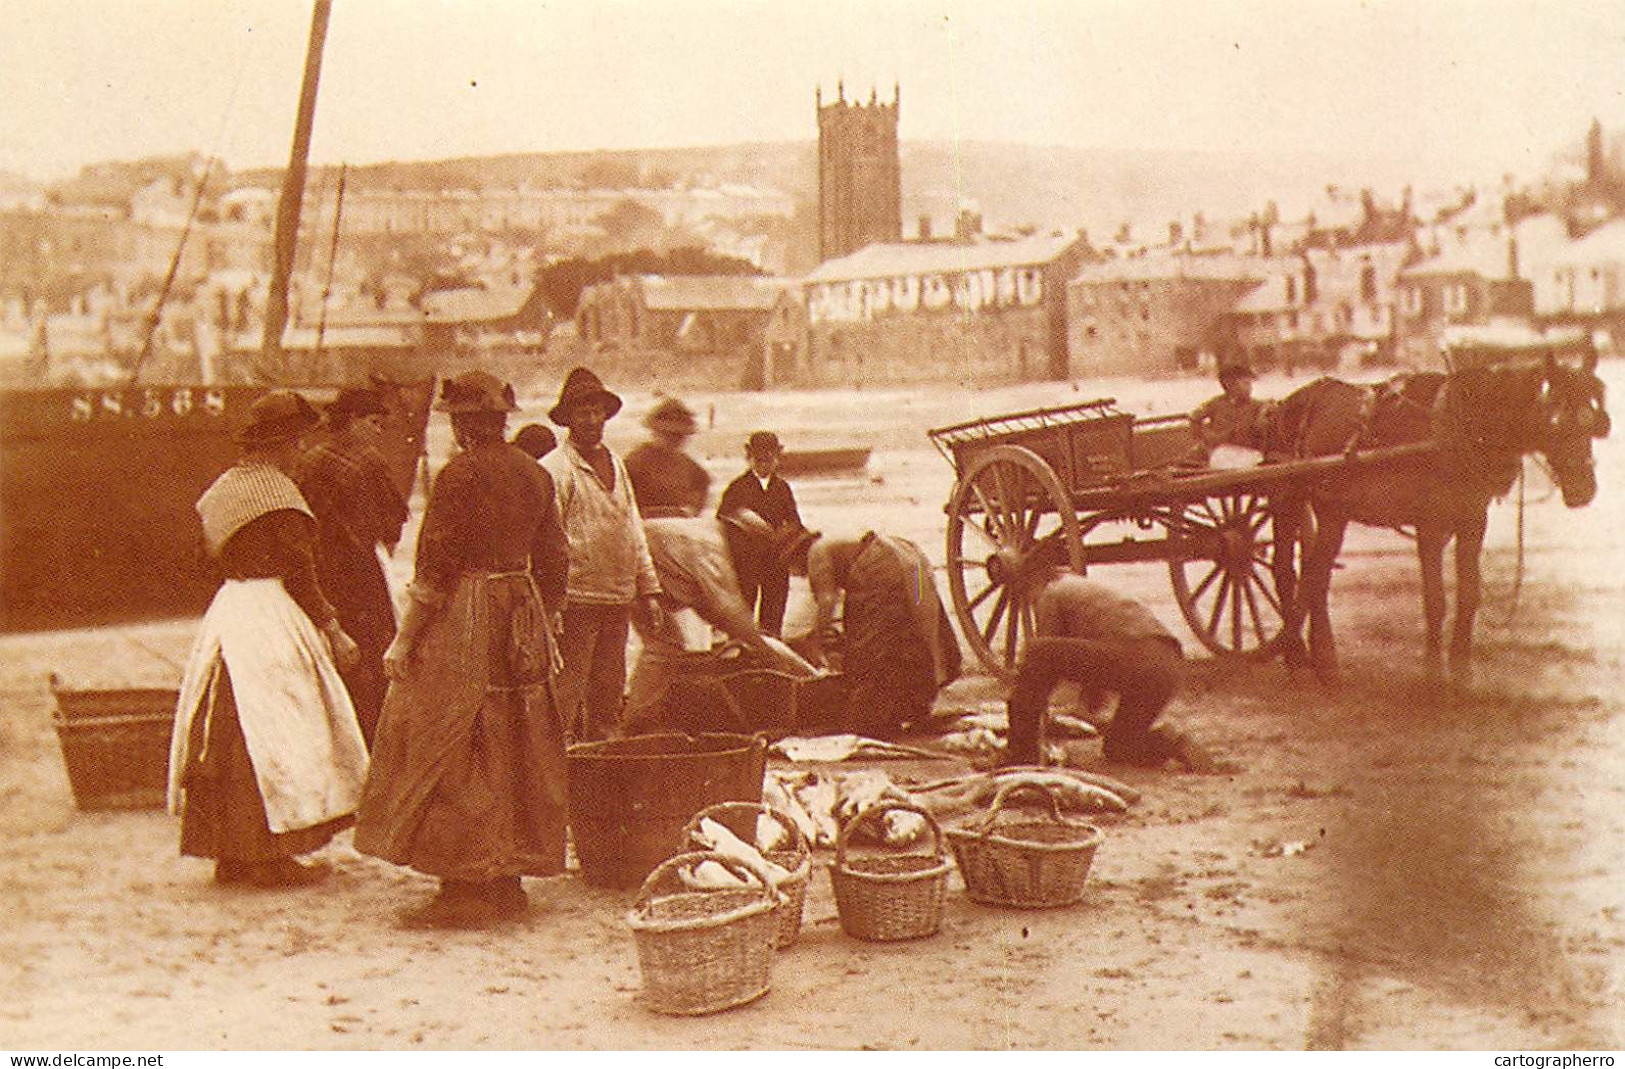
(1086, 484)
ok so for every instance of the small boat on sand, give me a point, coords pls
(803, 462)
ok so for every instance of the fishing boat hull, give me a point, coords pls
(97, 488)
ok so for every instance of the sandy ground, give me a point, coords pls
(1459, 883)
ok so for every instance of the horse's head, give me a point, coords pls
(1573, 413)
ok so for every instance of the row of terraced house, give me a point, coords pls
(1053, 307)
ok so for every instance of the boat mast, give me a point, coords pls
(292, 199)
(332, 258)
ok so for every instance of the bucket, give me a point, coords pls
(630, 798)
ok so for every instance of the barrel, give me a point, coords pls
(631, 797)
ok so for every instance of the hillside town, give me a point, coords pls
(1032, 587)
(784, 292)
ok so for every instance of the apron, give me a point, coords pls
(308, 755)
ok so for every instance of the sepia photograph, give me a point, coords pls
(810, 525)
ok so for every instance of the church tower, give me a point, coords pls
(860, 176)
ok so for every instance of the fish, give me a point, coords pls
(717, 837)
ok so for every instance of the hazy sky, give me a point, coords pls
(1495, 83)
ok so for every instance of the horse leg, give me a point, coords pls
(1287, 516)
(1315, 590)
(1430, 540)
(1469, 547)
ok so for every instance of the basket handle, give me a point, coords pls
(718, 810)
(886, 805)
(753, 877)
(1010, 789)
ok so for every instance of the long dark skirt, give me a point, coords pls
(224, 816)
(467, 776)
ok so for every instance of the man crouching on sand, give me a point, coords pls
(1091, 635)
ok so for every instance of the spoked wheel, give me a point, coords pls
(1219, 561)
(1009, 514)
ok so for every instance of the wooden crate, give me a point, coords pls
(115, 744)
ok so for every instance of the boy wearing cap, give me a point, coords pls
(665, 479)
(266, 761)
(760, 489)
(1234, 417)
(611, 572)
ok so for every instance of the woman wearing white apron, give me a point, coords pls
(267, 761)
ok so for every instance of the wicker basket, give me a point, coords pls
(1028, 864)
(701, 951)
(740, 818)
(115, 745)
(882, 897)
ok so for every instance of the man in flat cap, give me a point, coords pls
(359, 515)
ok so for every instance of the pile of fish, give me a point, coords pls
(819, 802)
(1075, 790)
(981, 735)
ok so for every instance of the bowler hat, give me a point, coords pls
(673, 416)
(353, 401)
(276, 417)
(476, 391)
(764, 444)
(581, 385)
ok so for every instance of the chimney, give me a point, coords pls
(1512, 256)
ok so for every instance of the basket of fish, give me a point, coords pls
(1008, 860)
(889, 896)
(704, 924)
(758, 833)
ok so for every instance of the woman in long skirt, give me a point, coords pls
(266, 761)
(467, 779)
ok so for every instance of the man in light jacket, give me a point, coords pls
(611, 572)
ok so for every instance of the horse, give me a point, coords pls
(1474, 426)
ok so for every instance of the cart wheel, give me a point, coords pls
(1219, 561)
(1008, 514)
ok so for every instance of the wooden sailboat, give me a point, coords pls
(97, 485)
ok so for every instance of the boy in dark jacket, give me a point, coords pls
(760, 490)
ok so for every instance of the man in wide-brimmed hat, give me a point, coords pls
(359, 514)
(760, 489)
(266, 761)
(611, 572)
(665, 479)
